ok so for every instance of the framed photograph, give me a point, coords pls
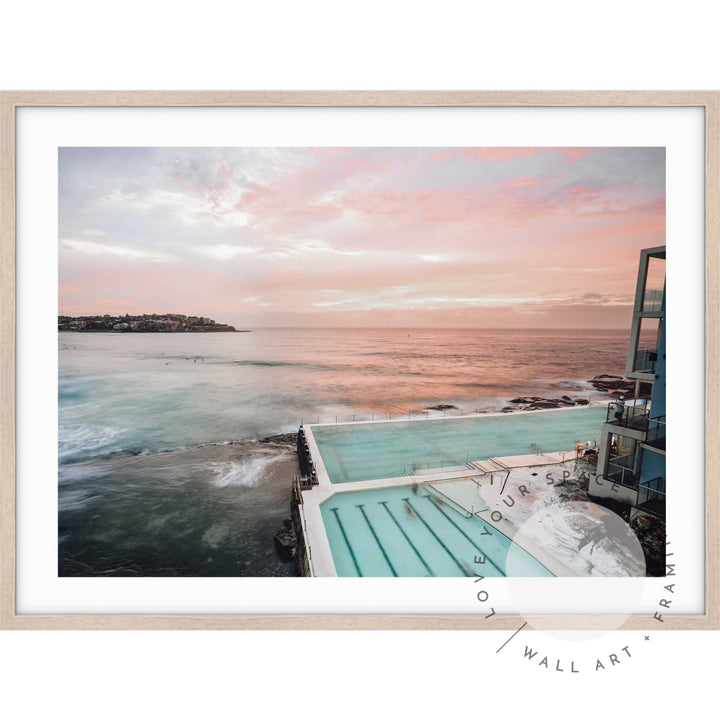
(359, 360)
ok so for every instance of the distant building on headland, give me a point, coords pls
(141, 323)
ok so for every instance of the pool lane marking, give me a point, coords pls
(467, 537)
(432, 532)
(384, 503)
(347, 542)
(377, 539)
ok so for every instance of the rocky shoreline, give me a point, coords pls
(615, 385)
(283, 439)
(206, 511)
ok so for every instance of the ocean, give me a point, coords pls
(162, 466)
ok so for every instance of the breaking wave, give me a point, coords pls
(245, 473)
(79, 441)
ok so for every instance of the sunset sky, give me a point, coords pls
(347, 237)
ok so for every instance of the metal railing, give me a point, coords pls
(650, 498)
(645, 360)
(414, 467)
(394, 415)
(500, 471)
(400, 415)
(632, 414)
(620, 470)
(656, 432)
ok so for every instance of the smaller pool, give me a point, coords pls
(399, 532)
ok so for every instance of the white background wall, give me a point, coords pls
(347, 45)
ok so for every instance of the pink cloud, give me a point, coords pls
(331, 231)
(490, 154)
(572, 154)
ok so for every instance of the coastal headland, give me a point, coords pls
(142, 323)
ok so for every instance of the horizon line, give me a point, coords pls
(414, 327)
(374, 327)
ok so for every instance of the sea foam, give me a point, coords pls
(76, 441)
(246, 472)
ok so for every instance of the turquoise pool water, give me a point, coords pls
(395, 532)
(372, 451)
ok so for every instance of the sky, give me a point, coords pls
(359, 237)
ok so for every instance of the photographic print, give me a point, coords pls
(361, 362)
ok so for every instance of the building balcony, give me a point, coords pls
(645, 361)
(650, 498)
(620, 470)
(635, 416)
(655, 437)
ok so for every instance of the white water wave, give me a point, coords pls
(79, 440)
(245, 473)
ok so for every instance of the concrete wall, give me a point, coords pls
(599, 487)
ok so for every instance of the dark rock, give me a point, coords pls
(286, 540)
(284, 439)
(650, 532)
(543, 405)
(582, 402)
(441, 407)
(609, 384)
(538, 403)
(614, 385)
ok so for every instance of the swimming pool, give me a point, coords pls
(372, 451)
(404, 532)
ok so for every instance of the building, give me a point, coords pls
(631, 461)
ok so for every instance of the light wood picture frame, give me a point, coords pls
(10, 102)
